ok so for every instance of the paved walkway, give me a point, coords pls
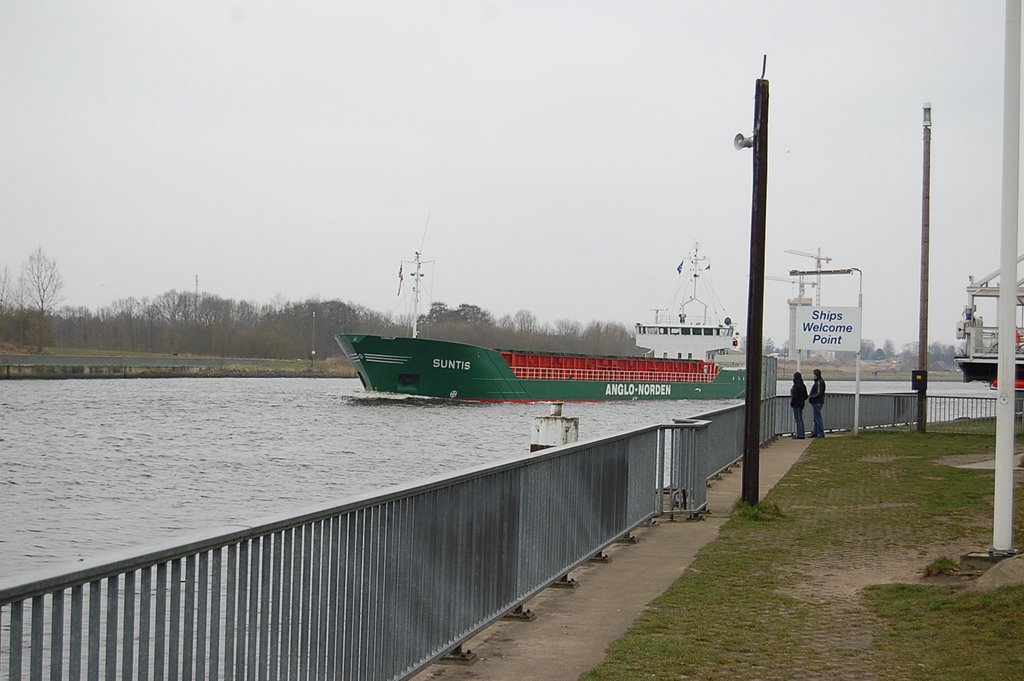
(574, 626)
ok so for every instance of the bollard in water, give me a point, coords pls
(554, 429)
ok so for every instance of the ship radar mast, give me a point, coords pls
(698, 263)
(416, 276)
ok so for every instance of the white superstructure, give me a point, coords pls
(694, 331)
(979, 353)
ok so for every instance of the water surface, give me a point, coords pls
(89, 466)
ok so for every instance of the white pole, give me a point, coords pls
(856, 391)
(416, 298)
(1002, 522)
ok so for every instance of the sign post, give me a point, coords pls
(833, 329)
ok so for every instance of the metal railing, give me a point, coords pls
(703, 448)
(697, 450)
(381, 586)
(970, 415)
(373, 589)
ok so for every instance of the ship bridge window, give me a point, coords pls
(709, 332)
(674, 332)
(686, 332)
(662, 331)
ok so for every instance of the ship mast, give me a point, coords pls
(416, 297)
(696, 262)
(417, 275)
(416, 283)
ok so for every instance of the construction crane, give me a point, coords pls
(791, 280)
(818, 260)
(801, 296)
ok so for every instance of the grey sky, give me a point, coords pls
(568, 153)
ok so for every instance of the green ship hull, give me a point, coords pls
(434, 368)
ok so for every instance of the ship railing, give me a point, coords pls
(613, 375)
(382, 585)
(985, 342)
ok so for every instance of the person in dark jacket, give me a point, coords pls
(797, 398)
(817, 399)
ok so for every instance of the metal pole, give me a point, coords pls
(416, 298)
(1002, 523)
(755, 297)
(312, 353)
(922, 343)
(856, 392)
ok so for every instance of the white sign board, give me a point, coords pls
(827, 328)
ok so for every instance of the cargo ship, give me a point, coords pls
(684, 357)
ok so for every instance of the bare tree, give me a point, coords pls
(6, 290)
(569, 328)
(525, 322)
(41, 283)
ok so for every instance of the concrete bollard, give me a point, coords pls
(554, 429)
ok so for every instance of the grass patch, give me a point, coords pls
(974, 426)
(941, 566)
(785, 599)
(765, 510)
(943, 633)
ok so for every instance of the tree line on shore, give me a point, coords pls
(907, 356)
(201, 323)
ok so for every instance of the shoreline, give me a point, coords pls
(55, 367)
(52, 367)
(844, 372)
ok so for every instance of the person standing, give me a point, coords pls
(797, 398)
(817, 399)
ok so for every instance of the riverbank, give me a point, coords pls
(846, 370)
(48, 365)
(848, 569)
(51, 363)
(573, 627)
